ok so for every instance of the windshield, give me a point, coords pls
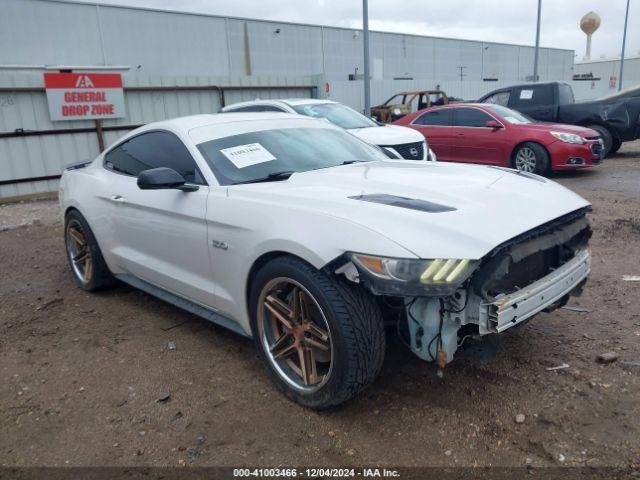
(336, 113)
(507, 114)
(256, 155)
(396, 100)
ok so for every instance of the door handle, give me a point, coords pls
(117, 198)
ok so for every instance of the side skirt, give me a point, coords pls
(183, 303)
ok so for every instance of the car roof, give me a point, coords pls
(521, 85)
(457, 105)
(416, 92)
(193, 121)
(306, 101)
(286, 101)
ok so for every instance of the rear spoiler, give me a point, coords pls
(77, 165)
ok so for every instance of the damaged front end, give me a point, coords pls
(436, 303)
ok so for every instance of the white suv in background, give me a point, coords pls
(402, 142)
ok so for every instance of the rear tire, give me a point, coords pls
(84, 255)
(530, 157)
(322, 349)
(607, 138)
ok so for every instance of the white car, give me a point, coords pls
(400, 142)
(291, 231)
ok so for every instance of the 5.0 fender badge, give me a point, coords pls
(220, 245)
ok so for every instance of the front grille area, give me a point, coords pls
(531, 256)
(409, 151)
(596, 149)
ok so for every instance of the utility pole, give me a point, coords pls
(535, 55)
(365, 38)
(462, 74)
(624, 41)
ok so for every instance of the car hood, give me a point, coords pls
(387, 135)
(561, 127)
(486, 205)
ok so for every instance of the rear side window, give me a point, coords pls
(270, 108)
(436, 118)
(533, 95)
(565, 95)
(153, 150)
(252, 108)
(500, 98)
(470, 117)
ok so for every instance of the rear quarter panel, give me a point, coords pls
(87, 190)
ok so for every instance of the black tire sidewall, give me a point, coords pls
(316, 283)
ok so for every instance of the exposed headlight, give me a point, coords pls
(397, 111)
(413, 277)
(568, 137)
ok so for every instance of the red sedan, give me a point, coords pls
(496, 135)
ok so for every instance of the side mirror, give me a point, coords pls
(493, 124)
(163, 178)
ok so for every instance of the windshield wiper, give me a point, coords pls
(272, 177)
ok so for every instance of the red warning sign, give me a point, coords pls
(84, 96)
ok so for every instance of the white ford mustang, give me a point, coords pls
(292, 231)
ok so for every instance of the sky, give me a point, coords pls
(509, 21)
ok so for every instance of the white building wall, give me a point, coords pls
(165, 43)
(604, 70)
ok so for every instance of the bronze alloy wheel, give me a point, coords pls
(79, 251)
(295, 334)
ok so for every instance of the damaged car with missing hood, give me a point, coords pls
(291, 231)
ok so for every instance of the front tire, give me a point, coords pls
(84, 255)
(615, 147)
(322, 341)
(530, 157)
(607, 138)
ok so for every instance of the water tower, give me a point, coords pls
(589, 24)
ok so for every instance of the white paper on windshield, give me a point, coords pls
(246, 155)
(526, 94)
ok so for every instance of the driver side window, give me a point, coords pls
(153, 150)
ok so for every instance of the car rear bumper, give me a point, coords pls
(512, 309)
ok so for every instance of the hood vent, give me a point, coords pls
(403, 202)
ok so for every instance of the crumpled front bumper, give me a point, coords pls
(509, 310)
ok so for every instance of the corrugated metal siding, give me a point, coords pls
(39, 156)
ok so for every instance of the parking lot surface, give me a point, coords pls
(120, 378)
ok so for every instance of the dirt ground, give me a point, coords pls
(81, 374)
